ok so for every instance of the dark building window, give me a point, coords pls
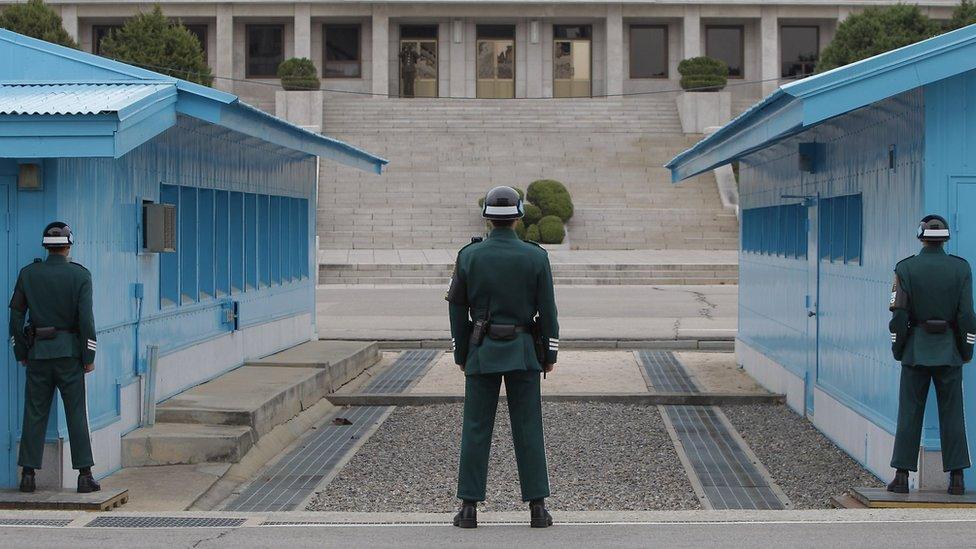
(572, 32)
(648, 51)
(265, 50)
(99, 33)
(726, 43)
(841, 234)
(342, 52)
(488, 32)
(775, 231)
(800, 48)
(200, 31)
(418, 31)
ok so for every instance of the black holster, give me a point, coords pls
(29, 333)
(540, 347)
(478, 332)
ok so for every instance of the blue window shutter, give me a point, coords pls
(264, 239)
(274, 238)
(823, 222)
(236, 238)
(189, 289)
(169, 263)
(838, 228)
(306, 237)
(206, 233)
(222, 241)
(853, 248)
(250, 241)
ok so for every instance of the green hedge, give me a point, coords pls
(551, 230)
(703, 74)
(552, 198)
(532, 233)
(298, 74)
(532, 214)
(520, 229)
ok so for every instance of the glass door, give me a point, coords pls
(496, 61)
(418, 61)
(571, 59)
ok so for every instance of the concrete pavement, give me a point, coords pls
(834, 528)
(585, 312)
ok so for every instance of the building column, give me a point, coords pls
(769, 58)
(303, 31)
(615, 50)
(69, 20)
(692, 32)
(381, 53)
(458, 40)
(224, 56)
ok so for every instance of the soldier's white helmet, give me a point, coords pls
(933, 228)
(502, 204)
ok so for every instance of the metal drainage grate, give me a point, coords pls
(287, 483)
(665, 373)
(728, 477)
(408, 368)
(47, 523)
(165, 522)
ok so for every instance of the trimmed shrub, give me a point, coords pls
(552, 198)
(703, 74)
(551, 230)
(532, 214)
(37, 20)
(298, 74)
(520, 229)
(876, 30)
(532, 233)
(152, 41)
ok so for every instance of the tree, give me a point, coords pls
(36, 19)
(152, 41)
(876, 30)
(964, 15)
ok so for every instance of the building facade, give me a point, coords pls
(106, 142)
(835, 173)
(493, 49)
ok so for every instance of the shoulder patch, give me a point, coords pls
(963, 259)
(79, 265)
(904, 260)
(474, 240)
(537, 245)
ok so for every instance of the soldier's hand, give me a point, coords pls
(89, 368)
(461, 367)
(547, 368)
(23, 362)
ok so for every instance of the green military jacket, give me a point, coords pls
(932, 285)
(55, 293)
(510, 282)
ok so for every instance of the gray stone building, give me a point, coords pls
(489, 49)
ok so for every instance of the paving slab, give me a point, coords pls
(185, 443)
(164, 488)
(321, 354)
(718, 372)
(576, 372)
(882, 498)
(66, 500)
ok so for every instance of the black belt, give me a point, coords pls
(507, 331)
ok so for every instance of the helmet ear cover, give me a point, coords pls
(933, 228)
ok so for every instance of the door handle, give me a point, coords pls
(811, 313)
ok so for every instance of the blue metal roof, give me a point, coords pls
(107, 108)
(803, 104)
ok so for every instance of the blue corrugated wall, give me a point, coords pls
(877, 152)
(101, 200)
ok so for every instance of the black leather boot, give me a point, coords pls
(957, 486)
(27, 483)
(87, 483)
(900, 483)
(538, 515)
(467, 517)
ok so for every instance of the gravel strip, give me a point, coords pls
(601, 457)
(805, 463)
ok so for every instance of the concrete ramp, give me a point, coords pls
(219, 421)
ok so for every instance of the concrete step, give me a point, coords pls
(179, 443)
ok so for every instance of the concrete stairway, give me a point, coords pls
(221, 420)
(446, 153)
(563, 274)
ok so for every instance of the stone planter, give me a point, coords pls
(302, 108)
(700, 110)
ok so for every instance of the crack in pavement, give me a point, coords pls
(212, 538)
(706, 311)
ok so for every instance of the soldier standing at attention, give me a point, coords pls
(933, 329)
(498, 287)
(52, 330)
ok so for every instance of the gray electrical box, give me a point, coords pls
(158, 227)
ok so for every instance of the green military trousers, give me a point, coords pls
(525, 412)
(43, 376)
(915, 382)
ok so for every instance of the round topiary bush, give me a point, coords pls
(551, 230)
(532, 233)
(703, 74)
(298, 74)
(552, 198)
(532, 214)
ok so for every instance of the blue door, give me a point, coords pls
(962, 221)
(9, 366)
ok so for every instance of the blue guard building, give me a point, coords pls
(194, 212)
(835, 172)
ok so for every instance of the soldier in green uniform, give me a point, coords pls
(52, 330)
(933, 329)
(503, 328)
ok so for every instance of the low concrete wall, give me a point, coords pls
(701, 110)
(302, 108)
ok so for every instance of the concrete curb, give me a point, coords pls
(691, 399)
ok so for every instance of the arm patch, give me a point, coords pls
(457, 292)
(899, 298)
